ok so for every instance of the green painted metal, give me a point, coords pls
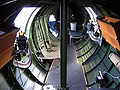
(86, 50)
(101, 62)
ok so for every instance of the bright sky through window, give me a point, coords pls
(22, 18)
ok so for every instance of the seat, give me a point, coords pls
(74, 34)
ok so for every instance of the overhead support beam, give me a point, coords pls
(63, 61)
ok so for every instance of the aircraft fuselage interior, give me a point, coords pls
(59, 45)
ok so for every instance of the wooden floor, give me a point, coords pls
(54, 53)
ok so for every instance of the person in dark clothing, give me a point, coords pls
(21, 41)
